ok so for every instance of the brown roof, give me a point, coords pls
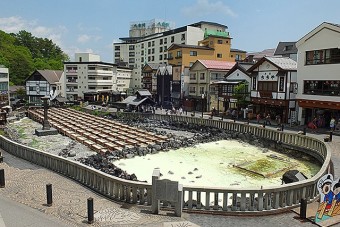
(52, 76)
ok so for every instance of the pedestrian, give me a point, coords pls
(268, 120)
(258, 118)
(332, 124)
(278, 119)
(233, 114)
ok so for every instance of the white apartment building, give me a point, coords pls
(4, 85)
(319, 75)
(151, 47)
(88, 75)
(123, 79)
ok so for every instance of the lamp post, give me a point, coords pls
(202, 103)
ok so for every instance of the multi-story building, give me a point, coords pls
(164, 85)
(273, 87)
(202, 88)
(149, 77)
(123, 79)
(227, 97)
(318, 74)
(43, 83)
(151, 46)
(4, 86)
(86, 76)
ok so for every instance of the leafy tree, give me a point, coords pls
(23, 53)
(241, 94)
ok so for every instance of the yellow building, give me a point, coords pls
(237, 55)
(213, 47)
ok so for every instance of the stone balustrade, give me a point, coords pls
(200, 199)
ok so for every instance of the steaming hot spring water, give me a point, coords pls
(225, 163)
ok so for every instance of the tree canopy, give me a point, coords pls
(23, 53)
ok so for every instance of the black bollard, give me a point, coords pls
(303, 208)
(49, 194)
(264, 125)
(2, 178)
(304, 131)
(282, 127)
(330, 136)
(90, 215)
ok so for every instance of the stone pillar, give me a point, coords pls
(179, 203)
(155, 205)
(46, 125)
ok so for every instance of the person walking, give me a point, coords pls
(268, 120)
(258, 118)
(332, 124)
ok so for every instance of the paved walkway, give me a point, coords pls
(26, 182)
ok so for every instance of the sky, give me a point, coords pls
(93, 26)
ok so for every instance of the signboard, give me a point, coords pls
(233, 100)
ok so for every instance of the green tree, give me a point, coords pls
(241, 93)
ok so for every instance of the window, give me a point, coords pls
(3, 75)
(142, 46)
(117, 54)
(153, 43)
(220, 41)
(160, 57)
(117, 47)
(192, 76)
(92, 68)
(326, 56)
(172, 39)
(160, 49)
(193, 53)
(170, 56)
(220, 56)
(201, 90)
(321, 87)
(149, 58)
(131, 47)
(289, 47)
(149, 44)
(152, 58)
(192, 89)
(142, 59)
(165, 40)
(131, 54)
(142, 52)
(165, 56)
(202, 76)
(160, 41)
(179, 54)
(153, 50)
(267, 86)
(165, 48)
(183, 37)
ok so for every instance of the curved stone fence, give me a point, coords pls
(112, 187)
(202, 199)
(254, 199)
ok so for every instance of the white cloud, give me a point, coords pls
(206, 7)
(16, 24)
(86, 38)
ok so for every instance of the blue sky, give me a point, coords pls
(92, 26)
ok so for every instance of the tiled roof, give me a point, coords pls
(237, 50)
(212, 64)
(281, 48)
(283, 62)
(52, 76)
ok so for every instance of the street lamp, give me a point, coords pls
(202, 103)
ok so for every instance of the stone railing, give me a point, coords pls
(264, 199)
(201, 199)
(112, 187)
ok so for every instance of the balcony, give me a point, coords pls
(71, 72)
(71, 81)
(100, 82)
(100, 72)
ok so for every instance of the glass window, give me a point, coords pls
(193, 53)
(220, 41)
(219, 55)
(202, 76)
